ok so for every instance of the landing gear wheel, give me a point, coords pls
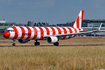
(37, 43)
(56, 44)
(13, 44)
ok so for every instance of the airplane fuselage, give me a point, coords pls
(38, 33)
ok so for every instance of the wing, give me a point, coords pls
(69, 34)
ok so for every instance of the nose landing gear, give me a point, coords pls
(36, 43)
(13, 43)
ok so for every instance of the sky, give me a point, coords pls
(50, 11)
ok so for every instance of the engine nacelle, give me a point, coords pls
(52, 39)
(23, 41)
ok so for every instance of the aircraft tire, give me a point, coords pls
(37, 43)
(13, 44)
(56, 44)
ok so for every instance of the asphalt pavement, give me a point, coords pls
(78, 45)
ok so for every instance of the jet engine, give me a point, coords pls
(23, 41)
(52, 39)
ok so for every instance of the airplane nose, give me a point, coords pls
(6, 34)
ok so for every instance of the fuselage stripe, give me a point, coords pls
(53, 30)
(47, 30)
(41, 32)
(23, 32)
(64, 29)
(75, 30)
(65, 32)
(64, 37)
(59, 30)
(16, 32)
(35, 32)
(29, 33)
(70, 29)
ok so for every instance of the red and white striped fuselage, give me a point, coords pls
(38, 33)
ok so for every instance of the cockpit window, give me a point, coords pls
(10, 30)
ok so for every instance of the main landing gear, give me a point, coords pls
(13, 43)
(56, 44)
(36, 43)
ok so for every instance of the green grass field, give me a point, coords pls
(2, 38)
(54, 58)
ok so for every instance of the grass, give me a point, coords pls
(2, 38)
(54, 58)
(50, 58)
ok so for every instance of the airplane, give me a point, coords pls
(99, 32)
(52, 34)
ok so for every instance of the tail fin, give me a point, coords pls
(100, 27)
(79, 20)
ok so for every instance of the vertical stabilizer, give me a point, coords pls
(100, 27)
(79, 20)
